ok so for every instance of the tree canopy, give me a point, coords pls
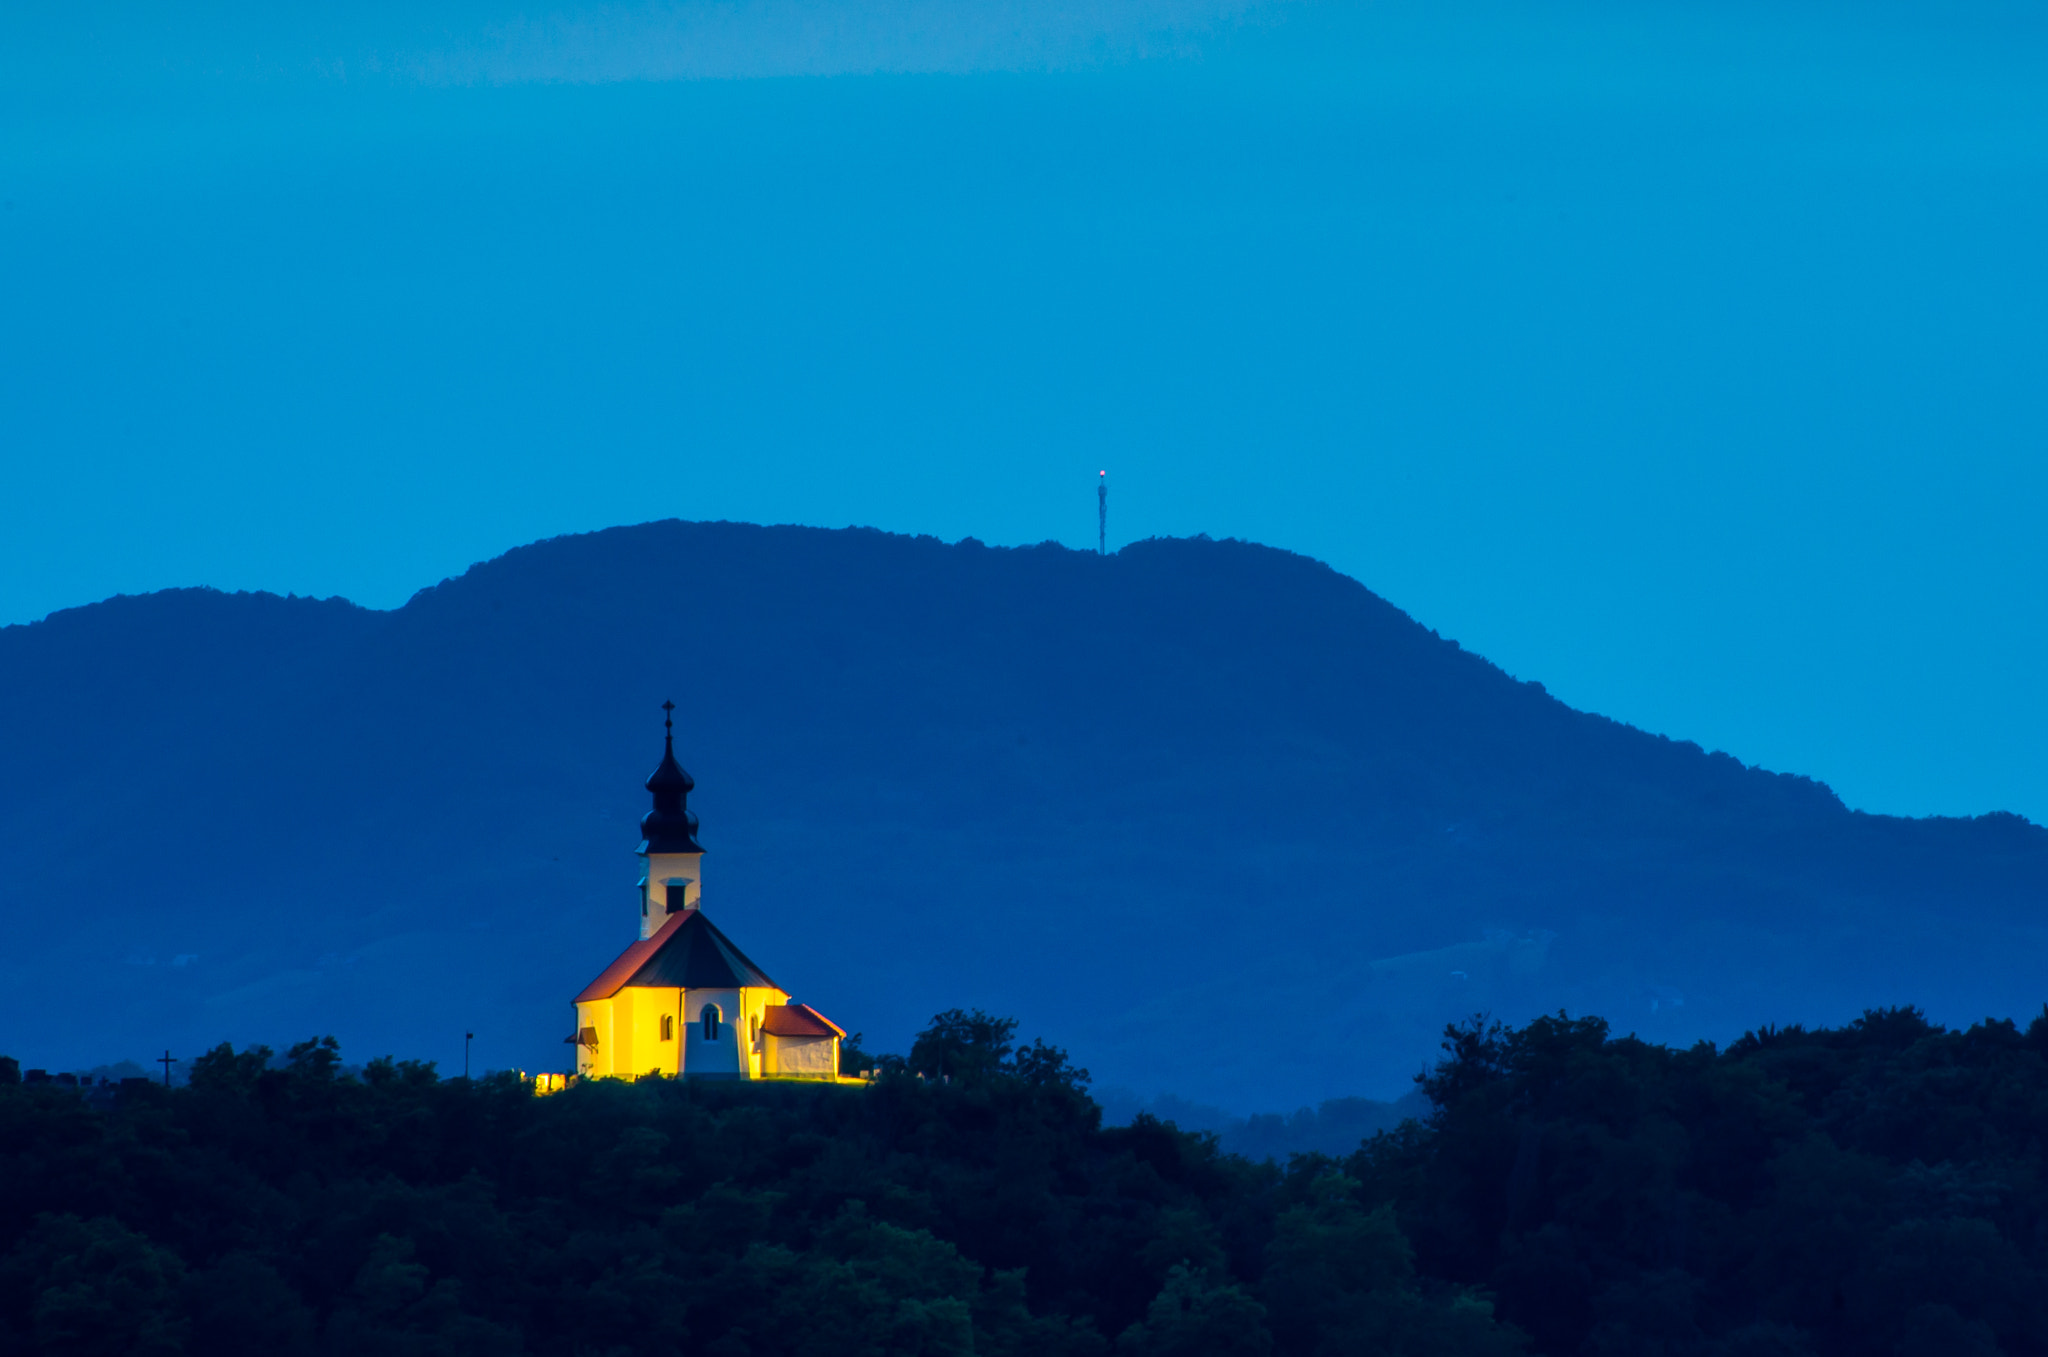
(1872, 1189)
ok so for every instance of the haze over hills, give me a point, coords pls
(1214, 817)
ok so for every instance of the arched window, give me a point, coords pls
(668, 1027)
(712, 1018)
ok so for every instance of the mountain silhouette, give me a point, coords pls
(1211, 815)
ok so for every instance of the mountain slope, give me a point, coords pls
(1213, 816)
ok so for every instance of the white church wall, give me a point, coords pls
(645, 1007)
(687, 869)
(754, 1004)
(629, 1033)
(594, 1062)
(720, 1056)
(803, 1057)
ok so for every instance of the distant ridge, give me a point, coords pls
(1210, 814)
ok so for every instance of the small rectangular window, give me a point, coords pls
(668, 1027)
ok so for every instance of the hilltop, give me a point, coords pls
(1216, 818)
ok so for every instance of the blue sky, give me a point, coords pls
(1688, 357)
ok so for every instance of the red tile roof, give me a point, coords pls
(614, 977)
(798, 1020)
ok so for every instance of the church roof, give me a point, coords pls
(798, 1020)
(688, 953)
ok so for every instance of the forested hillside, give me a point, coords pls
(1211, 815)
(1876, 1189)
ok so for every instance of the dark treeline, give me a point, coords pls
(1875, 1189)
(1334, 1127)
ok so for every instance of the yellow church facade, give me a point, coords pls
(683, 1000)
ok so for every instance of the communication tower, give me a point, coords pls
(1102, 513)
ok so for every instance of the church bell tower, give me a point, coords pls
(672, 879)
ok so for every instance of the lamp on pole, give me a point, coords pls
(467, 1037)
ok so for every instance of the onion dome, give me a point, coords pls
(669, 827)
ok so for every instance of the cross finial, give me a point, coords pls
(668, 720)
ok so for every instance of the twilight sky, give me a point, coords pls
(1689, 357)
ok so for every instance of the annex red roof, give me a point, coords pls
(798, 1020)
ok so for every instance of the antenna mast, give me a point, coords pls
(1102, 513)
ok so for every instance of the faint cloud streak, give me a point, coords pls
(766, 38)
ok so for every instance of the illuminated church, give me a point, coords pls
(683, 1000)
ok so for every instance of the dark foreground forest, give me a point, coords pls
(1874, 1189)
